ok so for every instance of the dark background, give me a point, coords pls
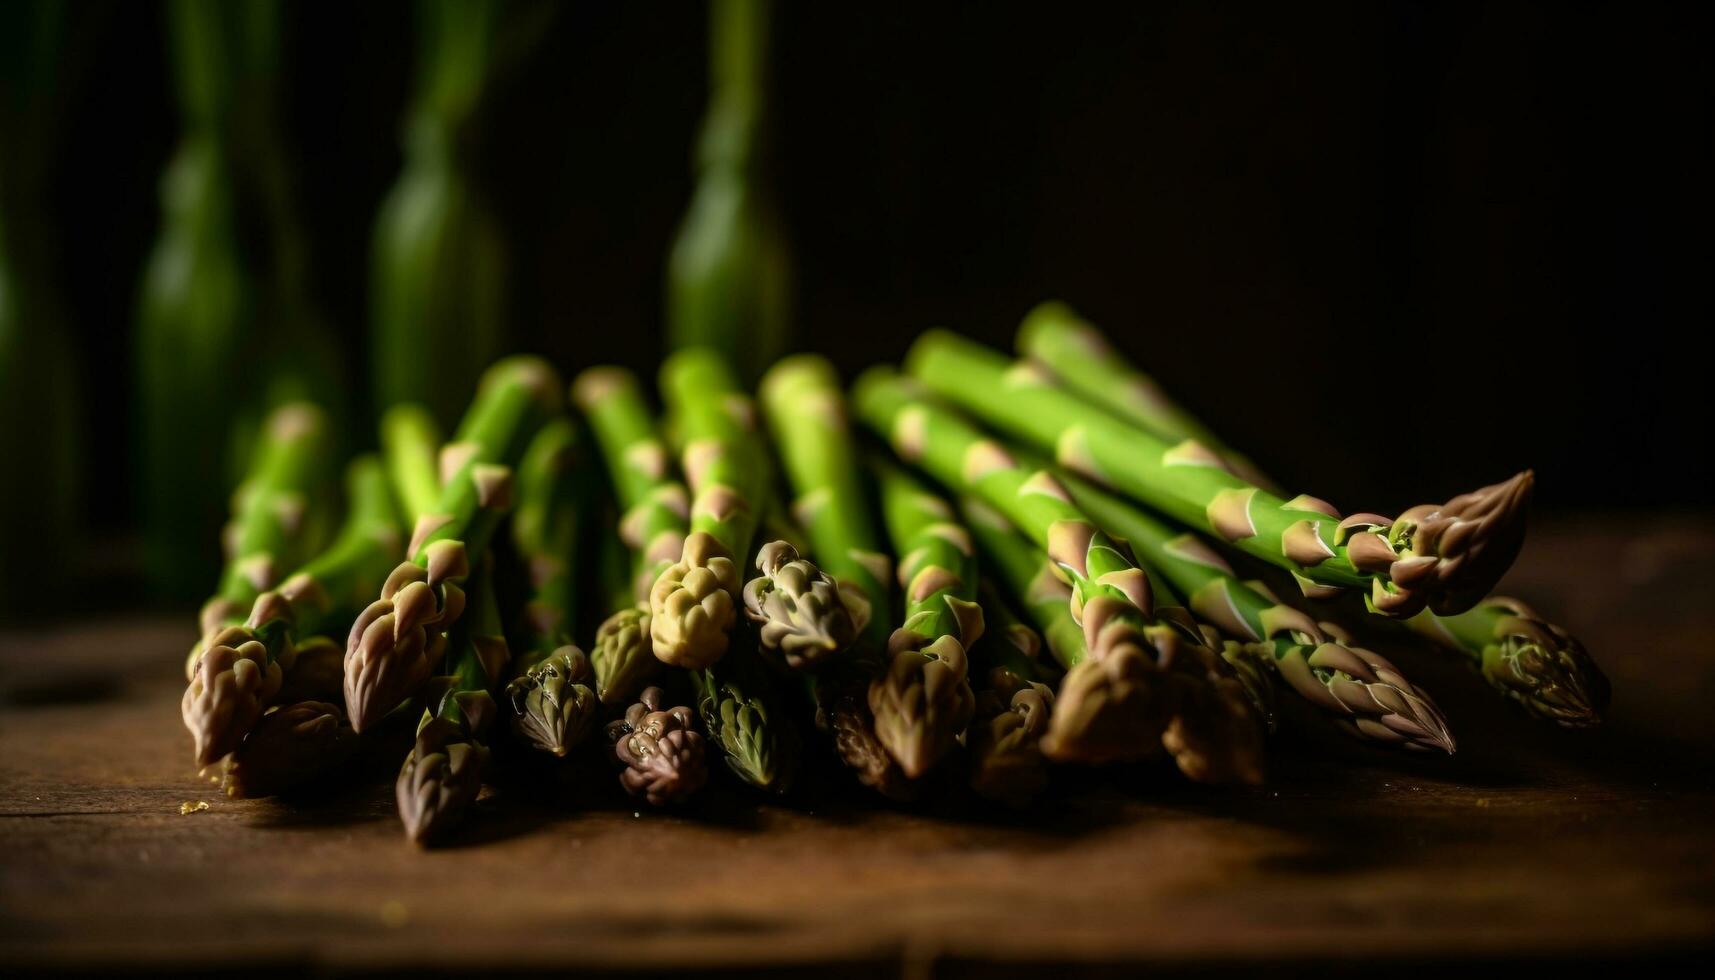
(1393, 249)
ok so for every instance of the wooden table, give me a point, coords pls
(1577, 848)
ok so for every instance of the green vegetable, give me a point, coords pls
(1446, 557)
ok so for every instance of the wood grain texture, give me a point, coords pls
(1579, 848)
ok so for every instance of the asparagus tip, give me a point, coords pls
(798, 608)
(553, 708)
(439, 781)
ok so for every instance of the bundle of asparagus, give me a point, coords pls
(1073, 611)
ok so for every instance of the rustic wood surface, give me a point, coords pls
(1578, 848)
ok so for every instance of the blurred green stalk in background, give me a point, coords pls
(225, 328)
(729, 275)
(39, 391)
(437, 282)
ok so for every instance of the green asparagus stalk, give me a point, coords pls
(1146, 684)
(1562, 684)
(1012, 708)
(1077, 354)
(1029, 577)
(1444, 557)
(662, 752)
(243, 667)
(270, 511)
(1534, 663)
(438, 268)
(443, 773)
(806, 414)
(653, 526)
(922, 699)
(552, 701)
(395, 642)
(1362, 690)
(741, 709)
(729, 274)
(693, 604)
(411, 445)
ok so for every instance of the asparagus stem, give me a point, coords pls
(693, 603)
(1012, 708)
(553, 704)
(1359, 688)
(1536, 664)
(662, 753)
(397, 639)
(242, 667)
(922, 699)
(1077, 354)
(1562, 684)
(656, 508)
(1147, 684)
(270, 510)
(807, 417)
(1029, 576)
(1446, 557)
(411, 444)
(443, 773)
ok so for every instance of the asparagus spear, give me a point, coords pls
(693, 602)
(410, 446)
(396, 640)
(1077, 354)
(922, 699)
(1029, 576)
(729, 275)
(1012, 708)
(1147, 684)
(443, 772)
(1444, 557)
(662, 751)
(656, 507)
(552, 702)
(1563, 684)
(1362, 690)
(806, 413)
(1534, 663)
(243, 667)
(269, 511)
(741, 710)
(289, 746)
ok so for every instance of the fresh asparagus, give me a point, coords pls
(922, 699)
(552, 702)
(729, 275)
(1077, 354)
(1029, 577)
(395, 642)
(656, 509)
(1536, 664)
(443, 773)
(1561, 683)
(1444, 557)
(693, 604)
(289, 746)
(410, 447)
(438, 264)
(662, 752)
(740, 707)
(1147, 684)
(1012, 708)
(806, 414)
(1362, 690)
(270, 511)
(243, 667)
